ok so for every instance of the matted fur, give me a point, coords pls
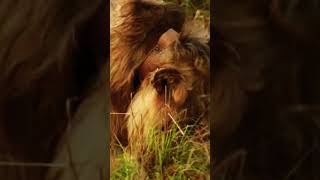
(138, 107)
(129, 43)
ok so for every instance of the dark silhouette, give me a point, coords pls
(266, 91)
(52, 53)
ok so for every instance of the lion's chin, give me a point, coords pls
(149, 110)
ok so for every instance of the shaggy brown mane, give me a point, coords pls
(130, 42)
(179, 83)
(131, 37)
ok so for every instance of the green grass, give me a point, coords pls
(196, 10)
(169, 155)
(193, 6)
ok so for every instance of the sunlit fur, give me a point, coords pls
(138, 29)
(145, 105)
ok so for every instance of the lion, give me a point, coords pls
(159, 67)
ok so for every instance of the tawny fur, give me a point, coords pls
(140, 106)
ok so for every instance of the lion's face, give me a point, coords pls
(177, 72)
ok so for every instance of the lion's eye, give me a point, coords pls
(157, 49)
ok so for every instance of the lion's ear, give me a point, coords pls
(195, 44)
(202, 63)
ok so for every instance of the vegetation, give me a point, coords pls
(196, 9)
(172, 155)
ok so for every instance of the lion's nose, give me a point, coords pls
(166, 79)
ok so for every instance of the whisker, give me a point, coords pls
(119, 113)
(176, 124)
